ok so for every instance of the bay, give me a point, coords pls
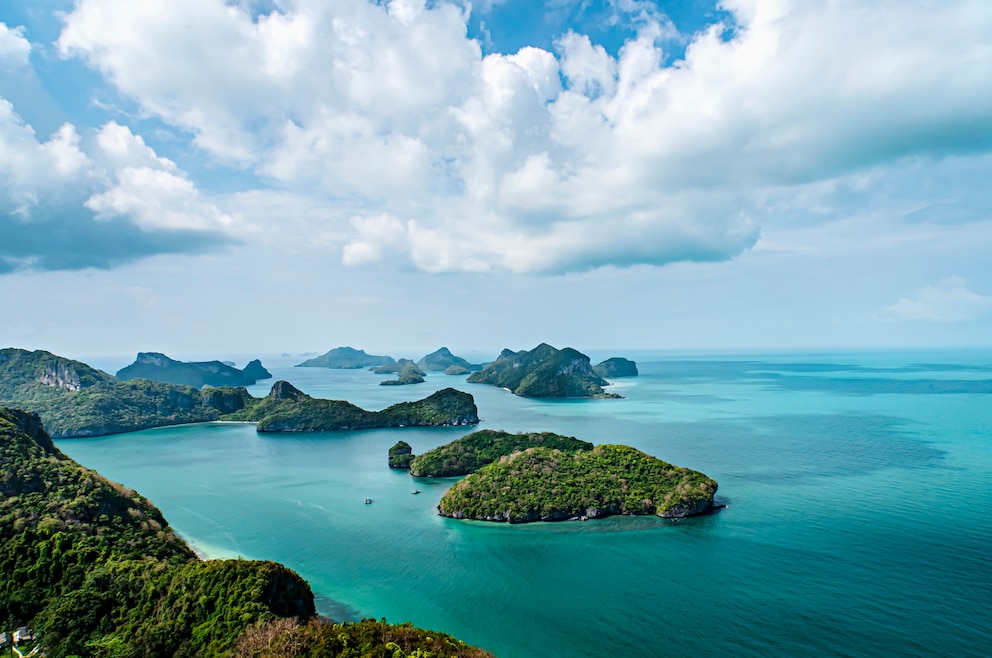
(858, 519)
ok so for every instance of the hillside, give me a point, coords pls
(475, 450)
(616, 367)
(96, 570)
(542, 484)
(544, 372)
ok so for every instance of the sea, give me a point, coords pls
(858, 519)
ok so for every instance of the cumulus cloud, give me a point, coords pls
(540, 161)
(14, 48)
(949, 300)
(70, 203)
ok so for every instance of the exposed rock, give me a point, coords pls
(400, 455)
(283, 390)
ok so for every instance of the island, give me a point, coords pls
(256, 371)
(543, 484)
(457, 370)
(473, 451)
(345, 358)
(616, 367)
(287, 409)
(394, 367)
(400, 455)
(95, 569)
(76, 400)
(442, 359)
(544, 372)
(408, 374)
(157, 367)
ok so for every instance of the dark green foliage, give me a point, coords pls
(456, 370)
(368, 638)
(443, 359)
(287, 409)
(475, 450)
(160, 368)
(400, 455)
(544, 372)
(616, 367)
(542, 484)
(346, 358)
(97, 570)
(408, 374)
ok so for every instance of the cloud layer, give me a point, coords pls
(424, 152)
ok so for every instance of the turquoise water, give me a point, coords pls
(859, 518)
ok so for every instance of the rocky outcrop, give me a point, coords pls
(544, 372)
(283, 390)
(400, 455)
(616, 367)
(256, 371)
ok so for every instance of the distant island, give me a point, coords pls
(473, 451)
(94, 569)
(394, 367)
(76, 400)
(544, 372)
(287, 409)
(157, 367)
(543, 484)
(442, 359)
(346, 358)
(616, 367)
(408, 374)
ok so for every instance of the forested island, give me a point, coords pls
(544, 372)
(408, 374)
(441, 360)
(544, 484)
(76, 400)
(475, 450)
(616, 367)
(287, 409)
(96, 570)
(158, 367)
(346, 358)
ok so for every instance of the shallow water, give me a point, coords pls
(858, 522)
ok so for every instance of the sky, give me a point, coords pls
(256, 176)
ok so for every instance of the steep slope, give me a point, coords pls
(544, 372)
(157, 367)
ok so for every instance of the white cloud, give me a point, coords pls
(539, 161)
(14, 48)
(949, 300)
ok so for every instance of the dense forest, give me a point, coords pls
(475, 450)
(95, 568)
(543, 484)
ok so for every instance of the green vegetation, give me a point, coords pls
(544, 372)
(160, 368)
(408, 374)
(287, 409)
(95, 568)
(456, 370)
(256, 371)
(443, 359)
(346, 358)
(400, 455)
(543, 484)
(97, 571)
(76, 400)
(368, 638)
(473, 451)
(616, 367)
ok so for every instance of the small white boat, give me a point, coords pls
(415, 491)
(368, 500)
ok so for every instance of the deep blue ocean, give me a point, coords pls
(858, 521)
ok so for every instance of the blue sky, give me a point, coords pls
(204, 177)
